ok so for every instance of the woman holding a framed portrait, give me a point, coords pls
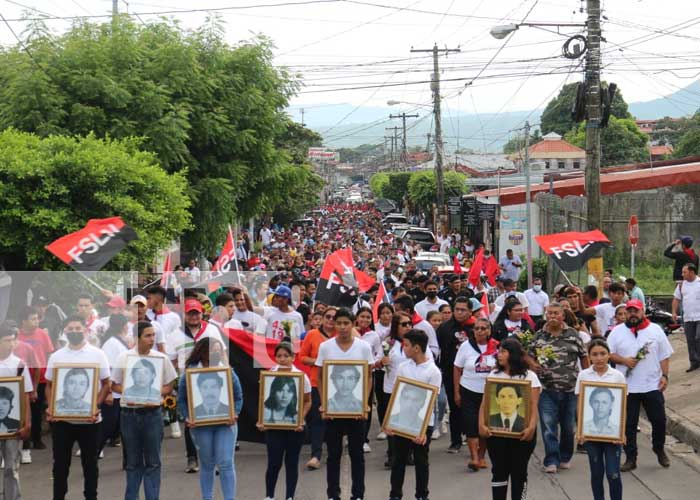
(207, 396)
(601, 419)
(511, 427)
(285, 400)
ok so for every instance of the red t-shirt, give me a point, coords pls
(40, 342)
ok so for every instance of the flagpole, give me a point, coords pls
(235, 251)
(92, 282)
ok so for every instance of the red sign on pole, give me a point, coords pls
(633, 230)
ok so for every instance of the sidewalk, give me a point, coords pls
(683, 396)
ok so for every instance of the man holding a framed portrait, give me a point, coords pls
(344, 386)
(142, 375)
(15, 424)
(78, 380)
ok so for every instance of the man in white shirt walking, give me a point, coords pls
(431, 302)
(537, 300)
(687, 294)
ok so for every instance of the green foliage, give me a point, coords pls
(422, 187)
(539, 270)
(301, 192)
(652, 279)
(397, 187)
(52, 186)
(621, 142)
(556, 117)
(517, 143)
(359, 154)
(203, 107)
(377, 183)
(689, 144)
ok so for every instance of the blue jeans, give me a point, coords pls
(142, 435)
(215, 444)
(557, 410)
(605, 460)
(440, 407)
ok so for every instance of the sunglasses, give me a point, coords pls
(481, 328)
(405, 323)
(330, 316)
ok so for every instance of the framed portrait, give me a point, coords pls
(507, 406)
(410, 408)
(345, 388)
(75, 389)
(210, 395)
(143, 380)
(281, 401)
(12, 408)
(602, 411)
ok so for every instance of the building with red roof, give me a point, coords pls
(554, 153)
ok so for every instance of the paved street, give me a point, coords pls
(448, 477)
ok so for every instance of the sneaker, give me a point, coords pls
(77, 453)
(550, 469)
(663, 459)
(269, 498)
(366, 448)
(192, 466)
(443, 427)
(436, 434)
(381, 436)
(387, 463)
(175, 431)
(101, 455)
(313, 464)
(565, 465)
(39, 445)
(238, 447)
(581, 449)
(454, 448)
(26, 457)
(629, 465)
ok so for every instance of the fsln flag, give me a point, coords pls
(337, 284)
(91, 248)
(167, 271)
(571, 250)
(228, 255)
(382, 298)
(476, 267)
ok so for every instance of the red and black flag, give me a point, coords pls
(91, 248)
(338, 285)
(571, 250)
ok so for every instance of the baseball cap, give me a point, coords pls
(192, 305)
(475, 304)
(116, 301)
(139, 299)
(686, 240)
(284, 291)
(634, 304)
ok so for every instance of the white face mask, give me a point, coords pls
(537, 288)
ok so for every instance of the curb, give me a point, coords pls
(683, 428)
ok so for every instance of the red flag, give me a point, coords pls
(382, 297)
(457, 268)
(337, 283)
(167, 271)
(571, 250)
(491, 270)
(228, 255)
(475, 269)
(484, 311)
(364, 280)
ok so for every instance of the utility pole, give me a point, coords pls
(528, 203)
(394, 147)
(593, 114)
(427, 146)
(435, 87)
(403, 116)
(115, 8)
(302, 118)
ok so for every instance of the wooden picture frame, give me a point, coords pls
(603, 398)
(516, 402)
(131, 397)
(70, 409)
(273, 381)
(15, 386)
(220, 413)
(409, 423)
(356, 401)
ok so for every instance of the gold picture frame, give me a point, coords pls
(72, 411)
(17, 396)
(334, 408)
(410, 424)
(222, 413)
(516, 402)
(601, 397)
(266, 414)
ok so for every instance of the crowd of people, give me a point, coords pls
(432, 326)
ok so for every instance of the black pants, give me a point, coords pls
(402, 448)
(471, 402)
(653, 403)
(455, 412)
(110, 423)
(382, 405)
(64, 435)
(368, 422)
(355, 431)
(509, 458)
(190, 448)
(37, 408)
(282, 446)
(316, 425)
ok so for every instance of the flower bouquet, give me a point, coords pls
(545, 355)
(641, 354)
(526, 339)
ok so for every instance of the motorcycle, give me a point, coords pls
(662, 318)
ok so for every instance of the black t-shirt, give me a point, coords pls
(450, 336)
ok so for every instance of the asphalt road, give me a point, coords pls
(449, 479)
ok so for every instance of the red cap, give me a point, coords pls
(634, 304)
(116, 301)
(192, 305)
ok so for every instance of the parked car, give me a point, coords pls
(422, 236)
(426, 260)
(395, 219)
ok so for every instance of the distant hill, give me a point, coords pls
(681, 103)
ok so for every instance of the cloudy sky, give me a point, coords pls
(359, 52)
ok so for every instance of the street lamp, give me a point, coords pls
(503, 30)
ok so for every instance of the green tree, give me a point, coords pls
(422, 188)
(621, 142)
(377, 183)
(689, 144)
(203, 107)
(52, 186)
(359, 154)
(517, 143)
(556, 117)
(397, 187)
(305, 186)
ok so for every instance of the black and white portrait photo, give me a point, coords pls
(143, 380)
(344, 387)
(11, 416)
(602, 411)
(210, 395)
(281, 399)
(410, 408)
(75, 392)
(507, 405)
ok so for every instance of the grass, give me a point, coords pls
(652, 279)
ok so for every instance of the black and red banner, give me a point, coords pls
(91, 248)
(338, 284)
(571, 250)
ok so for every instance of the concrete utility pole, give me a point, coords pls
(435, 87)
(528, 203)
(593, 114)
(302, 118)
(394, 147)
(403, 116)
(115, 8)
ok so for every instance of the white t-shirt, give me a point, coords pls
(424, 306)
(170, 322)
(433, 345)
(509, 270)
(688, 292)
(157, 328)
(474, 374)
(266, 236)
(86, 355)
(372, 338)
(522, 298)
(183, 344)
(8, 368)
(382, 331)
(531, 376)
(396, 359)
(537, 301)
(358, 351)
(113, 348)
(605, 316)
(307, 382)
(611, 376)
(169, 373)
(647, 374)
(427, 372)
(276, 331)
(252, 322)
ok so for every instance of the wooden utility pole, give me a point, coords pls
(435, 87)
(394, 147)
(403, 116)
(593, 114)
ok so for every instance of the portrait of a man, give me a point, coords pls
(210, 386)
(8, 402)
(75, 393)
(601, 403)
(346, 382)
(408, 416)
(508, 399)
(142, 382)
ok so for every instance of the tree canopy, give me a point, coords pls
(422, 187)
(52, 186)
(621, 142)
(517, 142)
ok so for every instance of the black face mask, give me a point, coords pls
(431, 295)
(75, 338)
